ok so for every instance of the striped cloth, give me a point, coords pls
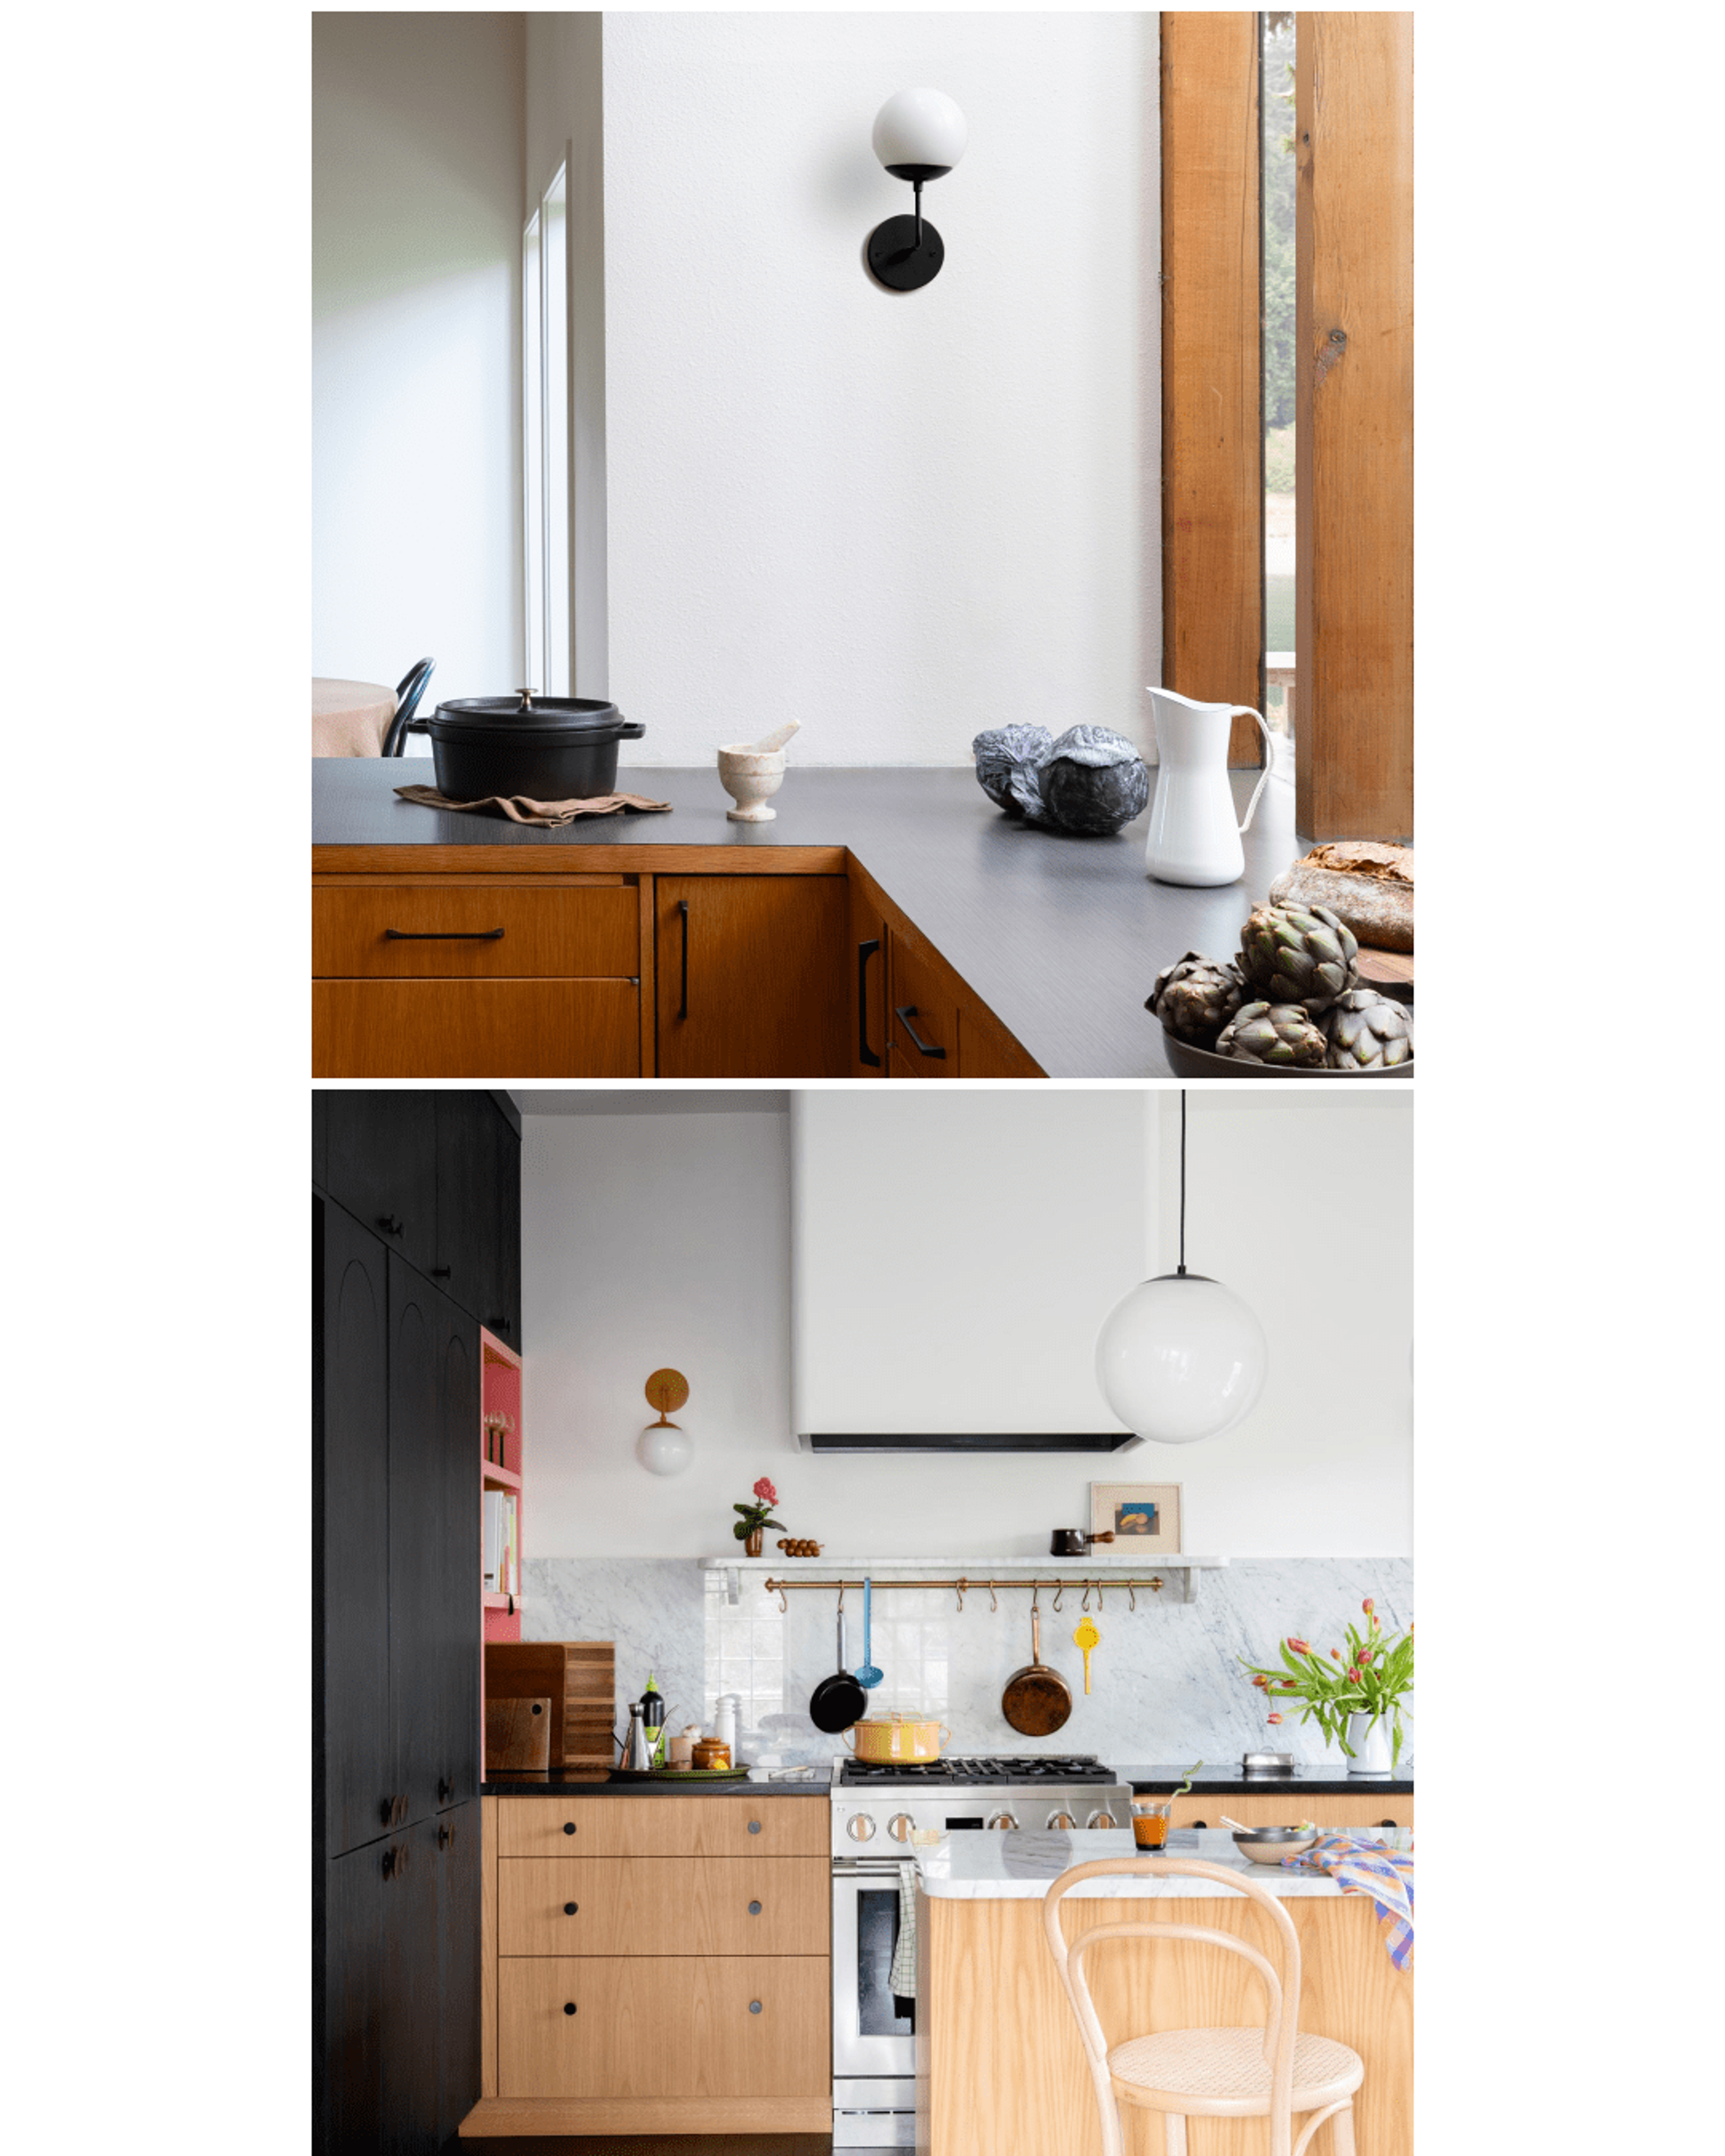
(1361, 1865)
(903, 1976)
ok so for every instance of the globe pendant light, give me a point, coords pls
(663, 1447)
(1181, 1357)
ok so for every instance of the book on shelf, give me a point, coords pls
(500, 1543)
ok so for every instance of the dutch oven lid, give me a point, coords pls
(582, 718)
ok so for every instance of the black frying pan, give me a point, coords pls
(839, 1700)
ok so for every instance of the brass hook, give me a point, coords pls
(959, 1586)
(993, 1600)
(785, 1607)
(1085, 1604)
(1035, 1596)
(1133, 1592)
(1059, 1592)
(1100, 1604)
(841, 1597)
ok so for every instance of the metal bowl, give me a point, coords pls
(1269, 1844)
(1186, 1061)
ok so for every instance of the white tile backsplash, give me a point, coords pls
(1167, 1685)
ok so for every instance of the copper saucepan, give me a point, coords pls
(1037, 1701)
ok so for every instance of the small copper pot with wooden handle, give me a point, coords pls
(1073, 1542)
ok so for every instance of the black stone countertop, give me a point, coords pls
(1061, 937)
(1227, 1779)
(550, 1785)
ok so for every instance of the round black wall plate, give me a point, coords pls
(897, 261)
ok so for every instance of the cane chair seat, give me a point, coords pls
(1222, 2073)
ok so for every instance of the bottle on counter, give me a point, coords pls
(725, 1723)
(638, 1759)
(653, 1719)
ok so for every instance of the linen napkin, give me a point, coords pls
(902, 1976)
(1360, 1866)
(550, 815)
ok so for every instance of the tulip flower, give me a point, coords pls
(1297, 1647)
(1262, 1683)
(1367, 1606)
(1335, 1654)
(1272, 1717)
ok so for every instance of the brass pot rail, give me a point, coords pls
(962, 1586)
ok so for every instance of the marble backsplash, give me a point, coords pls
(1167, 1684)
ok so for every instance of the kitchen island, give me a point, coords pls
(1018, 951)
(1000, 2071)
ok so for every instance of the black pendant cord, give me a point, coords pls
(1183, 1182)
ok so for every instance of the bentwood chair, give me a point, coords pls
(1270, 2073)
(409, 691)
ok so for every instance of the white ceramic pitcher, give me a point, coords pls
(1194, 837)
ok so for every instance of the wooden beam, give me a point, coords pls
(1354, 424)
(1212, 374)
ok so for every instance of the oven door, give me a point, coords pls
(871, 2035)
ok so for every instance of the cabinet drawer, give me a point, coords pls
(663, 1905)
(925, 1009)
(446, 930)
(1344, 1811)
(663, 1826)
(664, 2028)
(493, 1029)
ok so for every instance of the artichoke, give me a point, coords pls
(1291, 955)
(1281, 1034)
(1196, 996)
(1368, 1032)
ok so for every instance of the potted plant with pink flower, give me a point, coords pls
(757, 1518)
(1356, 1697)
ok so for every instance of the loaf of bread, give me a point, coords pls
(1369, 887)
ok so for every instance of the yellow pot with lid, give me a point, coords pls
(885, 1740)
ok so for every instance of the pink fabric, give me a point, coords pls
(350, 718)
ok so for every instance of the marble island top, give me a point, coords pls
(1020, 1867)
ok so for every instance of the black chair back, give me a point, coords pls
(410, 688)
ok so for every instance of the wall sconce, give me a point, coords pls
(919, 134)
(662, 1447)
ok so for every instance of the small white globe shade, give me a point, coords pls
(1181, 1357)
(920, 127)
(663, 1449)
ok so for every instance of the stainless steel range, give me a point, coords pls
(875, 1811)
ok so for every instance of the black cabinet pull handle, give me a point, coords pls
(445, 1836)
(445, 1789)
(497, 1324)
(570, 1908)
(754, 2006)
(568, 1826)
(439, 1272)
(683, 908)
(754, 1908)
(441, 935)
(905, 1013)
(394, 1811)
(754, 1826)
(390, 1223)
(569, 2007)
(865, 952)
(395, 1861)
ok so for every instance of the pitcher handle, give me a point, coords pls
(1245, 711)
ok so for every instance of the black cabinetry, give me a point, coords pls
(397, 1622)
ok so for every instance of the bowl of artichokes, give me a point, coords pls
(1289, 1003)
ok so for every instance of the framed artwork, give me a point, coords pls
(1141, 1516)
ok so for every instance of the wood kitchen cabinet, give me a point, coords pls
(656, 1965)
(751, 976)
(868, 946)
(1351, 1810)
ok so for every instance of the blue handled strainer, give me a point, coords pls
(868, 1677)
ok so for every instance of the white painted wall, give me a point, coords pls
(665, 1238)
(897, 518)
(416, 347)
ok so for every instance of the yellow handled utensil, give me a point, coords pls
(1086, 1636)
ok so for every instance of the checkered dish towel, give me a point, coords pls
(903, 1976)
(1362, 1866)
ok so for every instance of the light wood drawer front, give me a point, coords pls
(663, 1826)
(664, 2028)
(444, 930)
(663, 1905)
(1289, 1811)
(492, 1030)
(924, 1008)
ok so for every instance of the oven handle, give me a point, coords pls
(864, 1867)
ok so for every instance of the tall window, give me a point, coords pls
(545, 441)
(1276, 109)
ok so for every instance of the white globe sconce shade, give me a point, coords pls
(1181, 1357)
(664, 1448)
(919, 134)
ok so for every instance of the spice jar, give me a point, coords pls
(710, 1752)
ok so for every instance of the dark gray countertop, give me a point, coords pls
(1061, 937)
(1229, 1780)
(551, 1785)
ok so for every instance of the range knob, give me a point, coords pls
(1063, 1821)
(1100, 1819)
(1004, 1822)
(862, 1828)
(899, 1826)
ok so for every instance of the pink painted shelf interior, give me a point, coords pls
(501, 1463)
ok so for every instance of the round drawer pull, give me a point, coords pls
(754, 2006)
(570, 1908)
(569, 2007)
(754, 1908)
(568, 1826)
(754, 1826)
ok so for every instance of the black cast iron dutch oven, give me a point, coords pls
(551, 748)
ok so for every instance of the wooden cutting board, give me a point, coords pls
(517, 1736)
(578, 1678)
